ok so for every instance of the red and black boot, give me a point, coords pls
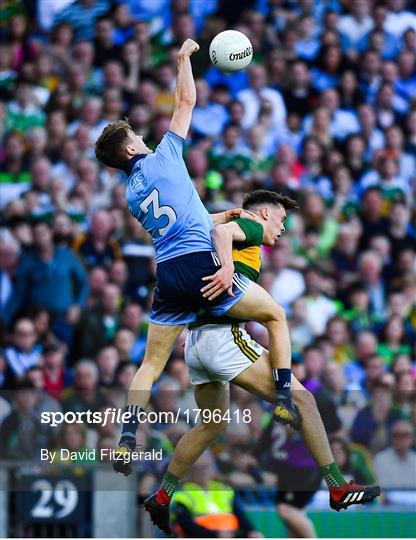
(158, 507)
(351, 493)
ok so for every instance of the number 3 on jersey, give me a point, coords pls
(158, 211)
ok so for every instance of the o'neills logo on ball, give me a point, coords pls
(242, 54)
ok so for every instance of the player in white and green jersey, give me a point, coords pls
(219, 351)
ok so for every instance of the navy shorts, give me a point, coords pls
(178, 296)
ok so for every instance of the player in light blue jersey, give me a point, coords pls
(191, 273)
(181, 224)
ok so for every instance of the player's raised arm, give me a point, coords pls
(185, 92)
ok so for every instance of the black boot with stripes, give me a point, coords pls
(348, 494)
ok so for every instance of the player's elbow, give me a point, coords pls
(187, 101)
(219, 232)
(230, 231)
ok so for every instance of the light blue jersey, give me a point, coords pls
(161, 195)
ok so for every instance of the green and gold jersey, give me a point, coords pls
(247, 261)
(246, 255)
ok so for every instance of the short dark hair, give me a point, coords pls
(35, 222)
(262, 196)
(110, 145)
(232, 125)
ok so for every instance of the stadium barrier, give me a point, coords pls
(78, 501)
(379, 522)
(68, 502)
(396, 520)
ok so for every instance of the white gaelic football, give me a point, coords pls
(230, 51)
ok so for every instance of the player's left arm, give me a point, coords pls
(223, 237)
(185, 92)
(225, 217)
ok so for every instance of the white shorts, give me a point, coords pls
(219, 352)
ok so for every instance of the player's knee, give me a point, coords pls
(284, 511)
(277, 317)
(149, 371)
(304, 398)
(220, 427)
(215, 429)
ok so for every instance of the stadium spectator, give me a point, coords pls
(119, 274)
(205, 507)
(288, 283)
(22, 354)
(167, 397)
(300, 332)
(54, 374)
(104, 46)
(9, 256)
(45, 278)
(372, 424)
(73, 438)
(356, 25)
(85, 394)
(230, 153)
(45, 402)
(97, 248)
(354, 462)
(124, 375)
(393, 340)
(345, 400)
(21, 433)
(208, 119)
(319, 307)
(97, 326)
(82, 16)
(405, 392)
(107, 362)
(370, 267)
(132, 319)
(89, 117)
(399, 18)
(395, 466)
(400, 231)
(299, 96)
(252, 97)
(124, 343)
(23, 112)
(366, 379)
(98, 280)
(343, 122)
(338, 333)
(66, 163)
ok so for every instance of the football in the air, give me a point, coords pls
(230, 51)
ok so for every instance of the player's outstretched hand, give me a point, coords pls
(188, 48)
(219, 282)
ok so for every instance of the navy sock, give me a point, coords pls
(130, 424)
(282, 377)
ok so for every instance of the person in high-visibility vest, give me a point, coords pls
(205, 507)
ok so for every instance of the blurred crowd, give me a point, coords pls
(326, 113)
